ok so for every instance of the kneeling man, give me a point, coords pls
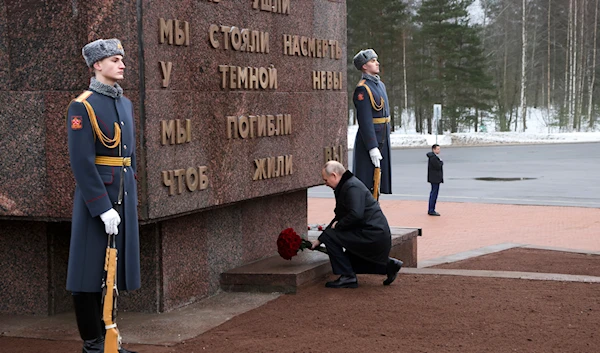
(359, 227)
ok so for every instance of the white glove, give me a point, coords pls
(375, 157)
(111, 221)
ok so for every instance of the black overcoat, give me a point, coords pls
(371, 135)
(435, 171)
(361, 227)
(96, 190)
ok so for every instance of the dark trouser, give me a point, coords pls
(88, 312)
(433, 195)
(363, 266)
(346, 263)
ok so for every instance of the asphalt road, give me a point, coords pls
(557, 175)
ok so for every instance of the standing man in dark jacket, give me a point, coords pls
(359, 227)
(102, 149)
(372, 143)
(435, 176)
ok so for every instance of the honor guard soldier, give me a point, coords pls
(102, 152)
(372, 143)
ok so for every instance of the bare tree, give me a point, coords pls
(580, 70)
(523, 107)
(593, 70)
(573, 69)
(568, 67)
(549, 102)
(404, 74)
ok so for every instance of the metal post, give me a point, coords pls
(437, 116)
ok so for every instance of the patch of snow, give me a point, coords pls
(402, 139)
(539, 130)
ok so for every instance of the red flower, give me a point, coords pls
(289, 243)
(320, 227)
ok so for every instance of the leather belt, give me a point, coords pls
(381, 120)
(113, 161)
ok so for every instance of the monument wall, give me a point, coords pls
(238, 103)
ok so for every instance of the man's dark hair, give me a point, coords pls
(434, 146)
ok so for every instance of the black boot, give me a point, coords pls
(345, 281)
(392, 270)
(93, 346)
(89, 321)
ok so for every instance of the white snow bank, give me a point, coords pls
(402, 139)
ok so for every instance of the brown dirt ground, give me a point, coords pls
(532, 260)
(418, 313)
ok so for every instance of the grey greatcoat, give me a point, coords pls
(97, 189)
(361, 227)
(370, 104)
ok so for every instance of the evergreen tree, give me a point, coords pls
(451, 64)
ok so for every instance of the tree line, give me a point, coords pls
(520, 54)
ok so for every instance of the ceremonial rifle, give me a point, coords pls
(112, 339)
(376, 183)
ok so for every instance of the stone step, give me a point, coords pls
(274, 274)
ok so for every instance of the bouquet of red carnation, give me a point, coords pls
(289, 243)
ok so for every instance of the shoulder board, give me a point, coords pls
(85, 95)
(361, 83)
(82, 98)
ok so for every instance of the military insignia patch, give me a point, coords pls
(76, 123)
(361, 96)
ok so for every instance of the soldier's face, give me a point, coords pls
(111, 69)
(371, 67)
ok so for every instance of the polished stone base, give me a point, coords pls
(274, 274)
(181, 258)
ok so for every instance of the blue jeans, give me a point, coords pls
(435, 188)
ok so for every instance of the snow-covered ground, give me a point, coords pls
(402, 139)
(538, 131)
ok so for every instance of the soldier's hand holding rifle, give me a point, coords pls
(111, 221)
(375, 156)
(375, 159)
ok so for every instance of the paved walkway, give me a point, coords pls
(463, 227)
(468, 226)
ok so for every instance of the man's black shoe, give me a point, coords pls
(433, 213)
(343, 282)
(392, 271)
